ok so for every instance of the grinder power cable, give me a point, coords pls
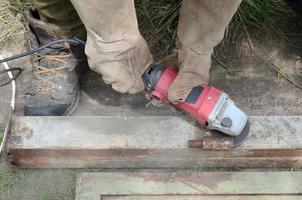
(211, 107)
(11, 80)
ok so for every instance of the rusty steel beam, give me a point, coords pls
(148, 142)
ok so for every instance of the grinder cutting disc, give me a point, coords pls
(237, 140)
(242, 136)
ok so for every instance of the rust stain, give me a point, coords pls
(213, 143)
(210, 180)
(25, 130)
(217, 143)
(20, 129)
(275, 153)
(191, 178)
(195, 143)
(140, 158)
(66, 158)
(278, 157)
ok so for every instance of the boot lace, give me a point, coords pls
(45, 84)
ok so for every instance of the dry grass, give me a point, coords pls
(158, 21)
(11, 18)
(7, 180)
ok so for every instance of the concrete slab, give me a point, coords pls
(166, 186)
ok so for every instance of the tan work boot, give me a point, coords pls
(54, 89)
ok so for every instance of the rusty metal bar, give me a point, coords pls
(213, 143)
(148, 142)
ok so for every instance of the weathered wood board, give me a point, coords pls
(147, 142)
(189, 186)
(205, 197)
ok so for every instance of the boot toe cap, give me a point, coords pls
(52, 110)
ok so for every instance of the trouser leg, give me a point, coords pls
(61, 17)
(115, 47)
(201, 27)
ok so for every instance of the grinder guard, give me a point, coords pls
(227, 117)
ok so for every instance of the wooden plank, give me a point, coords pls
(147, 142)
(95, 186)
(205, 197)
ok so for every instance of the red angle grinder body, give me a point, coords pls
(211, 107)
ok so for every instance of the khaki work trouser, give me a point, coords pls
(116, 49)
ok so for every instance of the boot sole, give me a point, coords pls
(74, 105)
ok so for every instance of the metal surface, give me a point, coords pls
(95, 186)
(226, 109)
(147, 142)
(213, 143)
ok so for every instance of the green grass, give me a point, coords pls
(37, 184)
(7, 180)
(1, 135)
(158, 21)
(261, 15)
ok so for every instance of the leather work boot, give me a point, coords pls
(54, 89)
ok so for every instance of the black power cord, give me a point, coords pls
(15, 75)
(75, 41)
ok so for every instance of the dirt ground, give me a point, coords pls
(254, 78)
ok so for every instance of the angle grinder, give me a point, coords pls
(211, 107)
